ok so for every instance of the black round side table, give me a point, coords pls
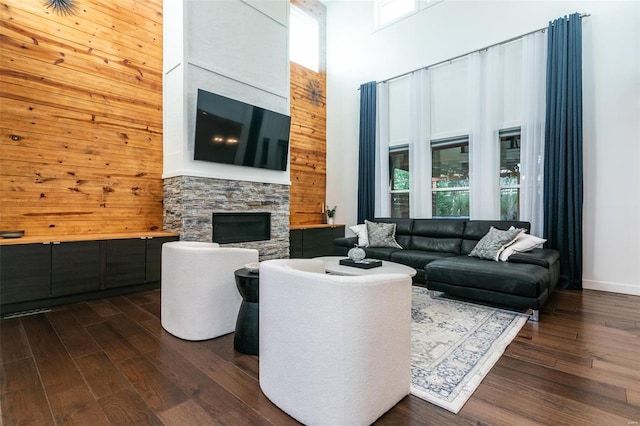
(245, 339)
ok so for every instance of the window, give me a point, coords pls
(450, 177)
(399, 181)
(389, 11)
(510, 174)
(304, 39)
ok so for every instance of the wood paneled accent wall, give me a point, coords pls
(81, 117)
(308, 132)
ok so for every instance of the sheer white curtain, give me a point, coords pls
(534, 63)
(484, 146)
(420, 145)
(382, 206)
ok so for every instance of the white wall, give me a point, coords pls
(234, 48)
(611, 97)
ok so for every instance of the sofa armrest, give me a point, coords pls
(541, 257)
(348, 242)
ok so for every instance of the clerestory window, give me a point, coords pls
(304, 39)
(389, 11)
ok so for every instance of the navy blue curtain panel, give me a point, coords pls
(563, 148)
(367, 157)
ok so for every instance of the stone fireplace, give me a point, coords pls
(190, 203)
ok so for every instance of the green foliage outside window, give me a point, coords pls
(451, 204)
(509, 198)
(509, 204)
(400, 179)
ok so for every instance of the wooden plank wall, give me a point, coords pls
(81, 117)
(308, 133)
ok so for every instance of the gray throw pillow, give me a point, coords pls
(382, 234)
(490, 246)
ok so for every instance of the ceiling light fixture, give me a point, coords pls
(61, 7)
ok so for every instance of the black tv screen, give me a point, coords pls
(233, 132)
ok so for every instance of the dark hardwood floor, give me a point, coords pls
(110, 362)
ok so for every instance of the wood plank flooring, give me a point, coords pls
(109, 362)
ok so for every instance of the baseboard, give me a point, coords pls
(30, 305)
(633, 290)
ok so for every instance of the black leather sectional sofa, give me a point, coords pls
(439, 250)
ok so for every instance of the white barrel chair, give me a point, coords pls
(334, 350)
(199, 297)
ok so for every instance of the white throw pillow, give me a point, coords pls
(523, 243)
(361, 232)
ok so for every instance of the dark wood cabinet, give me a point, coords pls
(37, 275)
(313, 241)
(25, 272)
(125, 262)
(134, 261)
(295, 243)
(154, 257)
(75, 267)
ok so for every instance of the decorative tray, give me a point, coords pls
(362, 264)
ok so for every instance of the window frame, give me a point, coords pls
(444, 143)
(391, 191)
(378, 14)
(502, 133)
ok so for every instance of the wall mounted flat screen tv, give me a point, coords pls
(233, 132)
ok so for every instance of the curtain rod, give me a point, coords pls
(582, 15)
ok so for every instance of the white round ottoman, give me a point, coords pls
(199, 298)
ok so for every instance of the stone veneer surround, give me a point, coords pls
(189, 202)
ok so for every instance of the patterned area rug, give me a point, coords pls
(454, 345)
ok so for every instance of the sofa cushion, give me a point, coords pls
(444, 245)
(382, 253)
(438, 228)
(348, 242)
(403, 240)
(503, 277)
(417, 258)
(404, 226)
(542, 257)
(382, 234)
(440, 235)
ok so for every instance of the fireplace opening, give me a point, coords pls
(241, 227)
